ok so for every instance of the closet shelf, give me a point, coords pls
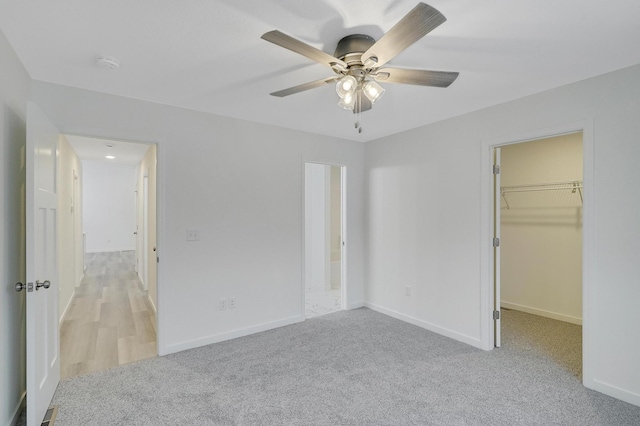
(570, 187)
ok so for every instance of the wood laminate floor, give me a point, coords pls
(110, 321)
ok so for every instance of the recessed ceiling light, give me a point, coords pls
(110, 157)
(108, 62)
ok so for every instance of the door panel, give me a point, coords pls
(43, 349)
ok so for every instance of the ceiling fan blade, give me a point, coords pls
(415, 25)
(295, 45)
(418, 77)
(304, 87)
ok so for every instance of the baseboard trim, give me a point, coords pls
(616, 392)
(216, 338)
(475, 342)
(66, 309)
(541, 312)
(355, 305)
(18, 410)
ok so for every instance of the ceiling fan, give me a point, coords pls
(359, 59)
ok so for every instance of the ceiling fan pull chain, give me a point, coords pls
(360, 111)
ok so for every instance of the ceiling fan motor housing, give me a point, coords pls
(351, 48)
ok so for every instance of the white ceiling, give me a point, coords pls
(94, 149)
(208, 55)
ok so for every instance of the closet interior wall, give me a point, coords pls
(541, 227)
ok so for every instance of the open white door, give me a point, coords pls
(496, 244)
(43, 349)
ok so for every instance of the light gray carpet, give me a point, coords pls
(352, 368)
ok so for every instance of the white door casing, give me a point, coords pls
(343, 237)
(496, 226)
(145, 232)
(41, 192)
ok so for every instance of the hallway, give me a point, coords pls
(110, 321)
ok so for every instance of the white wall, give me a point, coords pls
(336, 226)
(336, 211)
(317, 215)
(423, 222)
(14, 89)
(541, 232)
(109, 206)
(70, 264)
(426, 202)
(241, 185)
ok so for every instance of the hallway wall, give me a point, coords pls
(108, 205)
(70, 241)
(148, 167)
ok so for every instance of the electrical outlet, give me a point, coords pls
(231, 303)
(407, 291)
(222, 305)
(193, 235)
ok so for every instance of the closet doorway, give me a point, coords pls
(324, 239)
(538, 261)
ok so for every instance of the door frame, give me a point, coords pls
(145, 230)
(343, 231)
(487, 291)
(160, 221)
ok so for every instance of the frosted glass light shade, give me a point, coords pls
(348, 101)
(346, 84)
(373, 91)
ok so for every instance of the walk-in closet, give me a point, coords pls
(541, 197)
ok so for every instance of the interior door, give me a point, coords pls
(496, 245)
(43, 349)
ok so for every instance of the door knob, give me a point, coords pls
(46, 284)
(20, 287)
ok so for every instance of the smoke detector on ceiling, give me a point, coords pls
(108, 62)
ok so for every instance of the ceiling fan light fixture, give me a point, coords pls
(359, 61)
(347, 84)
(348, 101)
(373, 91)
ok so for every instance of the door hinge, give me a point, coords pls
(496, 169)
(496, 315)
(158, 259)
(29, 286)
(496, 242)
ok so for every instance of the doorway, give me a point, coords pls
(110, 316)
(539, 195)
(324, 239)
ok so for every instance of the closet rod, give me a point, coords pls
(555, 186)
